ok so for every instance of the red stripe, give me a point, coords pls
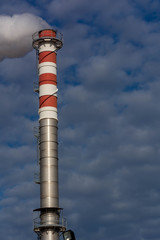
(47, 33)
(47, 56)
(47, 78)
(47, 82)
(48, 101)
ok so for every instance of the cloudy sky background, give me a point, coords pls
(109, 117)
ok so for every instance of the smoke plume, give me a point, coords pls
(16, 34)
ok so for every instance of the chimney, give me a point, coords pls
(50, 222)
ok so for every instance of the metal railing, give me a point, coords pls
(58, 39)
(60, 222)
(36, 135)
(59, 36)
(36, 132)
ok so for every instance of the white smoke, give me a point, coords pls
(16, 34)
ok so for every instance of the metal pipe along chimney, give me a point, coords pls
(50, 223)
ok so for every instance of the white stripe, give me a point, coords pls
(43, 64)
(47, 67)
(47, 47)
(48, 112)
(47, 89)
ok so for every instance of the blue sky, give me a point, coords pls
(109, 135)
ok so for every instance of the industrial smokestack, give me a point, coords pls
(50, 224)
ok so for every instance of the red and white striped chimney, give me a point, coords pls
(50, 223)
(47, 77)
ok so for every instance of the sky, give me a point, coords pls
(108, 110)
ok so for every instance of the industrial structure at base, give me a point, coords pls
(50, 223)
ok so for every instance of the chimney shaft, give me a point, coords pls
(47, 42)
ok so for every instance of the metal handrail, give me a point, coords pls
(59, 36)
(58, 39)
(36, 132)
(56, 222)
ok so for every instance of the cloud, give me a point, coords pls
(11, 7)
(108, 77)
(16, 32)
(109, 123)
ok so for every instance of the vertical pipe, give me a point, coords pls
(46, 44)
(48, 163)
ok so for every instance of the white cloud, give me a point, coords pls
(16, 32)
(108, 122)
